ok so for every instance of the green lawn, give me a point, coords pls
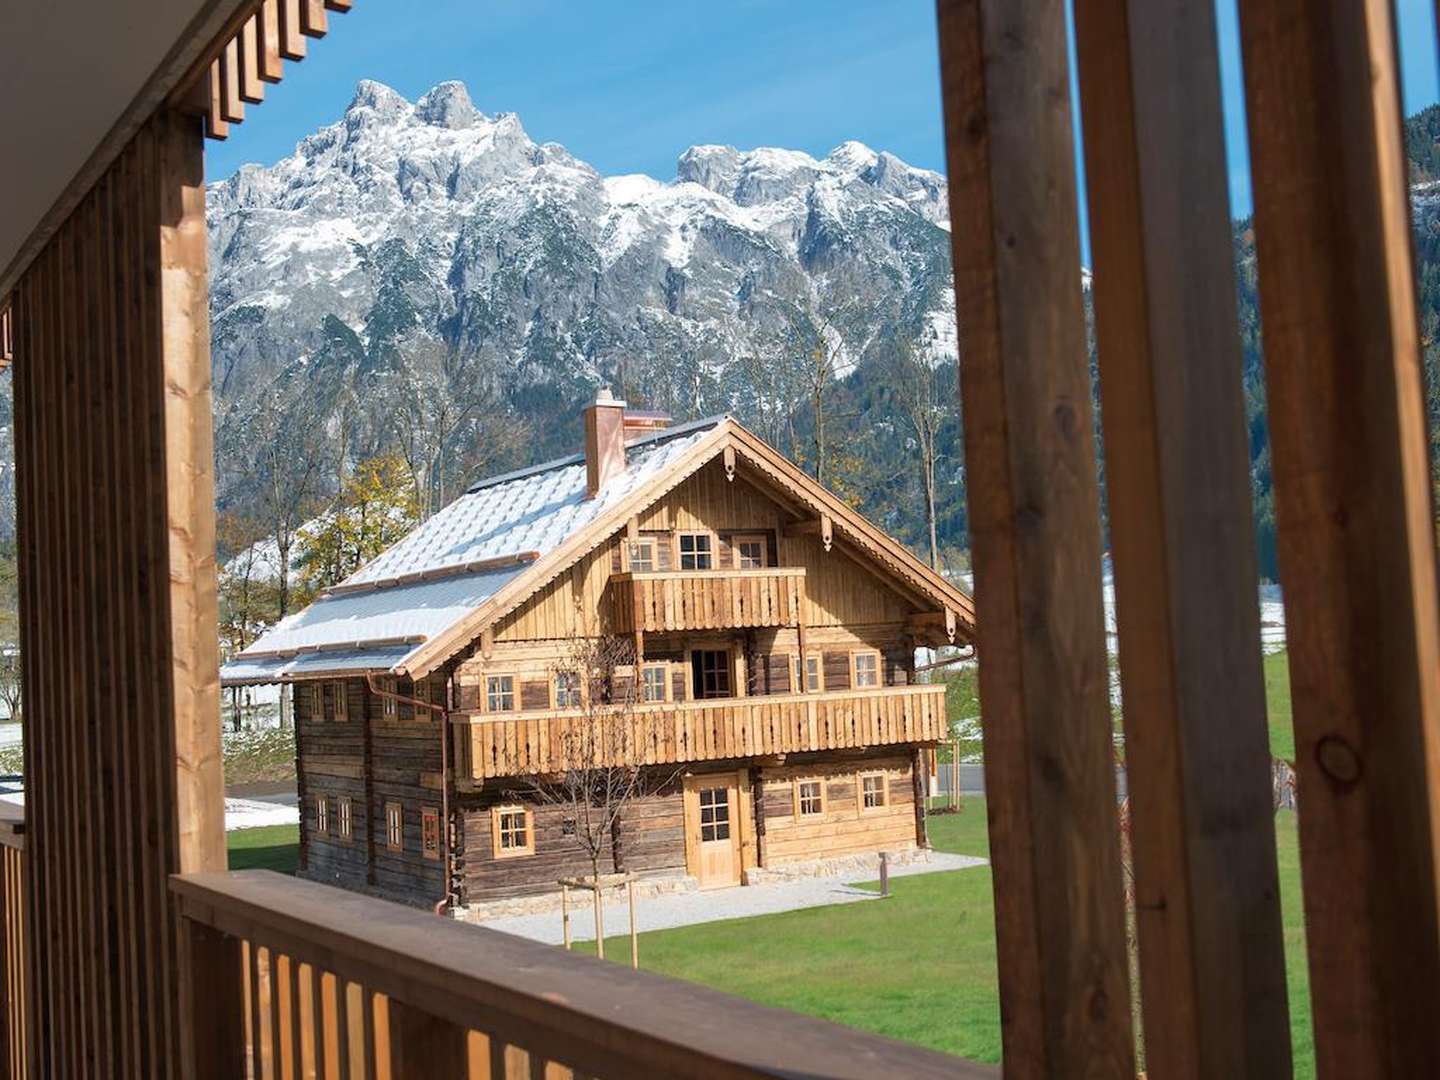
(270, 847)
(1277, 705)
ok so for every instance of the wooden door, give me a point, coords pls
(712, 834)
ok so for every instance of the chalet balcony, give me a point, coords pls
(662, 601)
(489, 746)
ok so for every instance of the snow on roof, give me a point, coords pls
(527, 513)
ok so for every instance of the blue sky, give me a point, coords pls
(627, 85)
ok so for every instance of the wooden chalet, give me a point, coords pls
(128, 948)
(766, 668)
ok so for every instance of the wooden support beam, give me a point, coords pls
(116, 538)
(313, 20)
(232, 107)
(292, 37)
(1212, 959)
(729, 456)
(252, 89)
(272, 67)
(1035, 533)
(1356, 526)
(216, 126)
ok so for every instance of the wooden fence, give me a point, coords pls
(13, 948)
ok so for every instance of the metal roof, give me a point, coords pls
(531, 511)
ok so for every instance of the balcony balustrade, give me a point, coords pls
(658, 602)
(519, 744)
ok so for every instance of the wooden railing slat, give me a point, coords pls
(1212, 959)
(423, 1047)
(1035, 540)
(1346, 415)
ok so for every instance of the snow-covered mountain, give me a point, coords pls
(405, 224)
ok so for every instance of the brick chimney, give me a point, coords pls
(604, 441)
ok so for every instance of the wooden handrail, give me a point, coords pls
(12, 825)
(569, 1010)
(662, 575)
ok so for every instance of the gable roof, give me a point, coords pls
(418, 603)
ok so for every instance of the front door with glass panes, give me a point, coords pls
(712, 811)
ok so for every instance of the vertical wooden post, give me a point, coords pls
(1212, 960)
(599, 920)
(1035, 529)
(1356, 525)
(116, 537)
(634, 938)
(215, 1039)
(423, 1047)
(565, 914)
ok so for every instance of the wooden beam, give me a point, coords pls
(292, 37)
(313, 20)
(1212, 959)
(232, 106)
(252, 89)
(272, 67)
(1356, 526)
(1035, 534)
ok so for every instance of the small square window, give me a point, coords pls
(322, 814)
(874, 793)
(654, 682)
(642, 556)
(430, 833)
(345, 819)
(514, 831)
(751, 553)
(695, 551)
(809, 798)
(867, 669)
(500, 693)
(394, 827)
(567, 690)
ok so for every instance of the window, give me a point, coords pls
(394, 827)
(391, 707)
(874, 793)
(751, 552)
(567, 690)
(714, 814)
(347, 826)
(430, 832)
(342, 706)
(695, 551)
(309, 700)
(642, 556)
(514, 831)
(322, 814)
(867, 668)
(809, 798)
(421, 692)
(807, 673)
(500, 693)
(712, 673)
(653, 687)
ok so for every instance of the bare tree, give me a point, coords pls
(601, 748)
(448, 421)
(923, 402)
(290, 470)
(822, 355)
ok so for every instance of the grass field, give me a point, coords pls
(270, 847)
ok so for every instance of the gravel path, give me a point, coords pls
(685, 909)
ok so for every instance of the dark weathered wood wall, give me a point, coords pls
(118, 608)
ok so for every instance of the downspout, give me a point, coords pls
(443, 904)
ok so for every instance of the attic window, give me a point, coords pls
(567, 690)
(642, 556)
(500, 693)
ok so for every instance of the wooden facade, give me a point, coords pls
(757, 645)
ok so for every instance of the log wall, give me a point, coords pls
(843, 828)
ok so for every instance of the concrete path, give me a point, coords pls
(686, 909)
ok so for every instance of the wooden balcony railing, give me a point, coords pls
(707, 599)
(12, 939)
(517, 744)
(291, 978)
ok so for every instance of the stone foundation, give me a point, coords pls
(580, 899)
(865, 866)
